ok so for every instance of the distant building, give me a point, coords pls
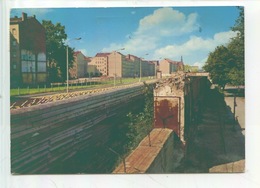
(27, 51)
(156, 63)
(134, 70)
(80, 65)
(168, 66)
(116, 64)
(129, 66)
(101, 63)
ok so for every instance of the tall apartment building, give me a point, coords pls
(168, 66)
(27, 51)
(80, 65)
(139, 66)
(101, 63)
(116, 64)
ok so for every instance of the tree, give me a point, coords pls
(56, 51)
(226, 63)
(141, 124)
(219, 64)
(236, 47)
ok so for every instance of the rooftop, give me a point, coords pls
(21, 19)
(102, 54)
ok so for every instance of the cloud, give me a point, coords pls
(195, 45)
(156, 31)
(167, 22)
(161, 24)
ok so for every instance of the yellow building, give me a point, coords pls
(129, 66)
(115, 64)
(80, 65)
(101, 62)
(168, 66)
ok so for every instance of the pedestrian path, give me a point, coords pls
(216, 140)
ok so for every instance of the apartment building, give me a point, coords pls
(101, 62)
(140, 66)
(27, 51)
(119, 65)
(80, 65)
(168, 66)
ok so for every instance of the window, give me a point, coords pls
(14, 43)
(28, 66)
(42, 66)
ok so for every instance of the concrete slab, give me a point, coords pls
(143, 156)
(235, 167)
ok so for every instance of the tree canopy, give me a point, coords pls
(226, 63)
(56, 51)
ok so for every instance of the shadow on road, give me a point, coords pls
(216, 139)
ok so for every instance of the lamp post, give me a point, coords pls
(115, 65)
(67, 58)
(141, 68)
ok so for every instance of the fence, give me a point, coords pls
(83, 83)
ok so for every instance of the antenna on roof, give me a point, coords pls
(181, 59)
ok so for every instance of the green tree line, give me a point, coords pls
(226, 63)
(56, 51)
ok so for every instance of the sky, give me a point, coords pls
(160, 32)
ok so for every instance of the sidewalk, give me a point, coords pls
(216, 141)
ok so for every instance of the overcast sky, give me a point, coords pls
(169, 32)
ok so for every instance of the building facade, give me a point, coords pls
(129, 66)
(27, 51)
(80, 65)
(101, 63)
(115, 64)
(168, 66)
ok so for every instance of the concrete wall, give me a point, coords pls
(169, 104)
(164, 161)
(155, 156)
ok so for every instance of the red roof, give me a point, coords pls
(102, 54)
(77, 52)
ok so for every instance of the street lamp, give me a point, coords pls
(115, 65)
(141, 68)
(67, 58)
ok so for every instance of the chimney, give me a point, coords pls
(24, 16)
